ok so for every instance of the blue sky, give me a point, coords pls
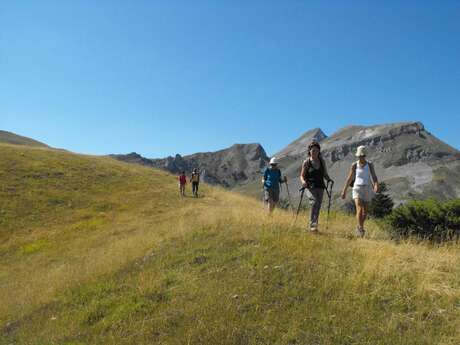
(166, 77)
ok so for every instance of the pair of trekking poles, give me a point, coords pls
(329, 186)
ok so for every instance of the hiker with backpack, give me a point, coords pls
(271, 183)
(195, 179)
(182, 182)
(359, 178)
(312, 176)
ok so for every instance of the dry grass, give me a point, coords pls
(152, 268)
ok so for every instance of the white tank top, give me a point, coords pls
(363, 175)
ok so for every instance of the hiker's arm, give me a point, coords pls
(348, 181)
(302, 176)
(374, 178)
(265, 177)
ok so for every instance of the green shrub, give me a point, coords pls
(427, 219)
(452, 209)
(382, 204)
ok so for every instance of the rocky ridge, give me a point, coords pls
(238, 164)
(412, 162)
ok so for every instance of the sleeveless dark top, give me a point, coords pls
(314, 177)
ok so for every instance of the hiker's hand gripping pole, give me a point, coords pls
(302, 191)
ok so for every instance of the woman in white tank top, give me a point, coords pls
(359, 177)
(362, 175)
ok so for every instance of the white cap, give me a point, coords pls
(273, 161)
(361, 151)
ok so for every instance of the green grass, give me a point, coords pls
(129, 262)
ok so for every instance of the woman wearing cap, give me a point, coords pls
(271, 182)
(359, 177)
(312, 177)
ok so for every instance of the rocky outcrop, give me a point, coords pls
(239, 164)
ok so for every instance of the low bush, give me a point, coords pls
(427, 219)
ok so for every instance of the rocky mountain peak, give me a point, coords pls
(412, 161)
(299, 146)
(237, 164)
(405, 154)
(253, 151)
(132, 157)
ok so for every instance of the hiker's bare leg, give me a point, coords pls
(363, 213)
(360, 212)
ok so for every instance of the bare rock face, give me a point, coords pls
(239, 164)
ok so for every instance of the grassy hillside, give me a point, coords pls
(95, 251)
(14, 139)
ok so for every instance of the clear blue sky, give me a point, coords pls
(166, 77)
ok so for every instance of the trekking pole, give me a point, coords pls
(301, 190)
(329, 195)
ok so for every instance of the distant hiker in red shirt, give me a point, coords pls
(182, 182)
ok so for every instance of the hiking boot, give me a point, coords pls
(360, 232)
(313, 227)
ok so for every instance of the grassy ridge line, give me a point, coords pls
(14, 139)
(225, 275)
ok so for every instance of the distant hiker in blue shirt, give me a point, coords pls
(271, 181)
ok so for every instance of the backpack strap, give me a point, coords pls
(353, 167)
(305, 166)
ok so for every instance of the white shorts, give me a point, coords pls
(364, 193)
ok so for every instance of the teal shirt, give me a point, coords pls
(272, 178)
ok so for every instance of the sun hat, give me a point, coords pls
(361, 151)
(273, 161)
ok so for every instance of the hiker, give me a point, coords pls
(271, 184)
(195, 179)
(359, 177)
(182, 182)
(312, 176)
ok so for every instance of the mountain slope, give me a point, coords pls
(413, 162)
(238, 164)
(95, 251)
(14, 139)
(298, 146)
